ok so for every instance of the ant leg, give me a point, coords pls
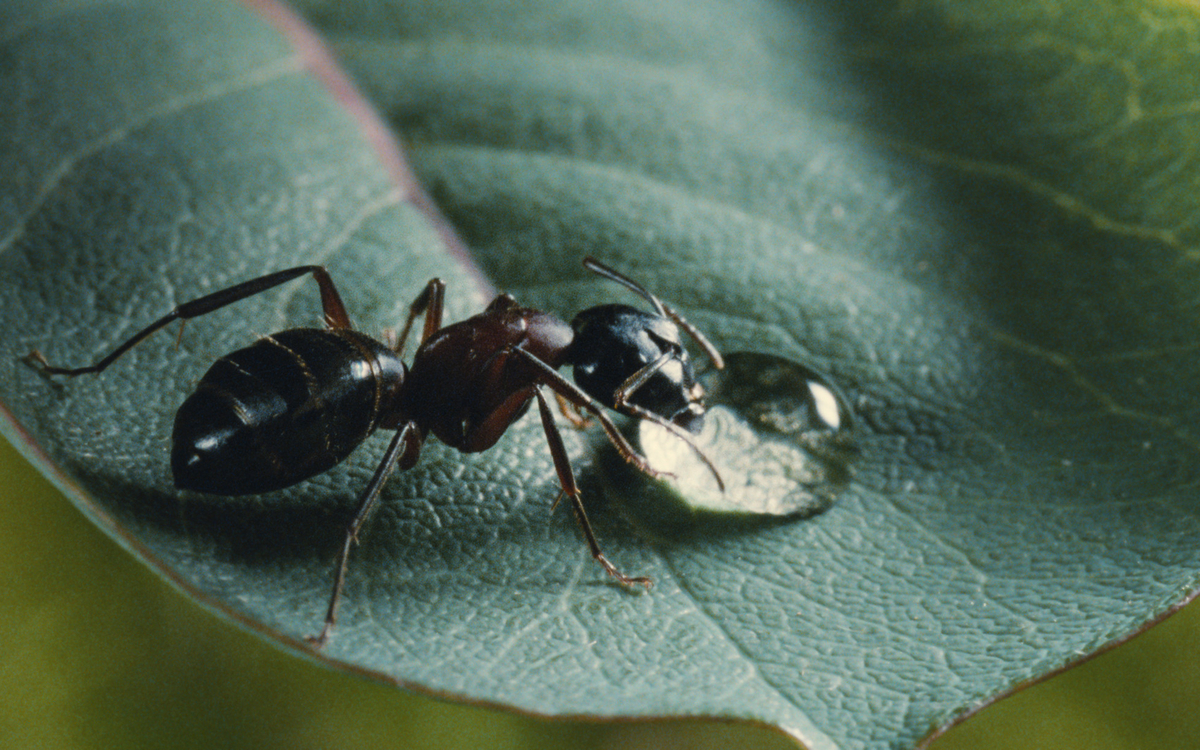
(429, 301)
(571, 412)
(661, 307)
(637, 380)
(406, 439)
(331, 304)
(713, 355)
(571, 392)
(566, 478)
(634, 410)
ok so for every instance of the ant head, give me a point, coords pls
(626, 356)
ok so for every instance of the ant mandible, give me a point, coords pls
(298, 402)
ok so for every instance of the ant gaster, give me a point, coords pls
(298, 402)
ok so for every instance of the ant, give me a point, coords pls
(296, 403)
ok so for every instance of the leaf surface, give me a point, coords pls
(975, 217)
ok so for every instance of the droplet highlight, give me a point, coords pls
(779, 433)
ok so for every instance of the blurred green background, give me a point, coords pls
(101, 653)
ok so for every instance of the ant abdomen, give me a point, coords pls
(286, 408)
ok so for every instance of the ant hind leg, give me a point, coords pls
(331, 304)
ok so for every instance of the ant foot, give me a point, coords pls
(628, 582)
(319, 640)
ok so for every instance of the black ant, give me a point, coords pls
(298, 402)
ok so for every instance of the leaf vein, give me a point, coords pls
(203, 95)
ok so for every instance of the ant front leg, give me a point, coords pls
(637, 380)
(331, 304)
(566, 478)
(572, 393)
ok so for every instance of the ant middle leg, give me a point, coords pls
(572, 413)
(403, 451)
(566, 479)
(331, 304)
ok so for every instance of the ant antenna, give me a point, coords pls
(660, 307)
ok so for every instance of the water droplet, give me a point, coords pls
(779, 433)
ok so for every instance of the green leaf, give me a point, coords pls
(975, 217)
